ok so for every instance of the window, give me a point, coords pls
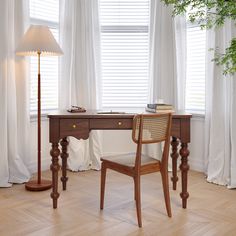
(124, 46)
(195, 78)
(45, 13)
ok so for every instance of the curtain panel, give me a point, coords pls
(167, 58)
(80, 74)
(220, 136)
(167, 55)
(14, 116)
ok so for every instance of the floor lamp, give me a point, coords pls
(38, 41)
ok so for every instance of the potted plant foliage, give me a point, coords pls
(211, 14)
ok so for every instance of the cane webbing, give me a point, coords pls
(154, 127)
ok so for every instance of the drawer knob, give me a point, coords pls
(119, 123)
(74, 126)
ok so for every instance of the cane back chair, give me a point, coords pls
(147, 129)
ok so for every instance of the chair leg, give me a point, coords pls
(165, 183)
(138, 199)
(103, 181)
(134, 189)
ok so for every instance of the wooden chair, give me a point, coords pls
(147, 129)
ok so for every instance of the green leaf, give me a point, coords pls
(210, 14)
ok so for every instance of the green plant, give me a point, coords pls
(210, 14)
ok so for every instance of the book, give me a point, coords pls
(158, 110)
(158, 106)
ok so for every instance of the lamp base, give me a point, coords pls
(33, 185)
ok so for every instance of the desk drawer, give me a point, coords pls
(111, 123)
(78, 128)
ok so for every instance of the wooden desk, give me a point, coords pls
(63, 124)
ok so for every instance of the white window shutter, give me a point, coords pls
(45, 13)
(195, 78)
(124, 44)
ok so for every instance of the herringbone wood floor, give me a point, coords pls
(211, 208)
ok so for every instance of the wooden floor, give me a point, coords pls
(211, 208)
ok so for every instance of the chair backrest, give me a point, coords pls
(152, 128)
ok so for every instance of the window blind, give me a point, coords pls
(195, 78)
(47, 10)
(124, 52)
(45, 13)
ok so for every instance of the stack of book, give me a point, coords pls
(156, 107)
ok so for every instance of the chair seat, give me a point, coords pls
(128, 159)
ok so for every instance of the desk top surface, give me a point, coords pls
(96, 114)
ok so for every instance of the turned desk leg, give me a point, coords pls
(64, 156)
(184, 167)
(55, 152)
(174, 156)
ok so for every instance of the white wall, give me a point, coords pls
(119, 141)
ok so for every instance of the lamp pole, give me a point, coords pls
(39, 120)
(39, 184)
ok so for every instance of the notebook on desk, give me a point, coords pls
(111, 112)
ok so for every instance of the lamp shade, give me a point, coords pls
(38, 39)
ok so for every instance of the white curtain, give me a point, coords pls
(167, 58)
(167, 55)
(14, 119)
(220, 113)
(80, 73)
